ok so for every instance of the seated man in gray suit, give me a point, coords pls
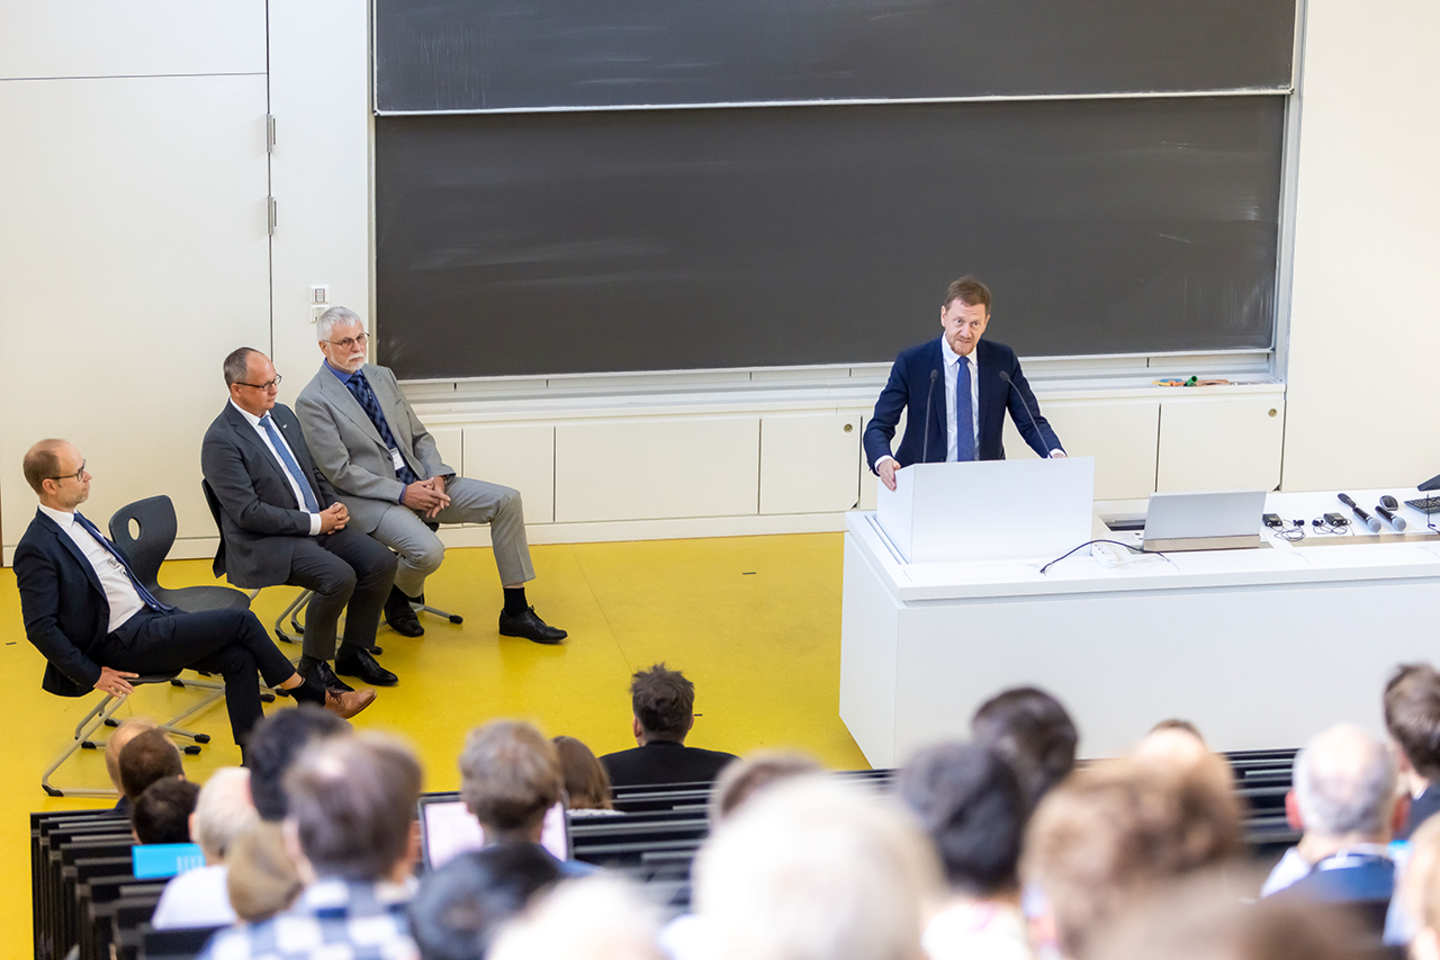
(372, 447)
(280, 523)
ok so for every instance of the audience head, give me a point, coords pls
(509, 776)
(148, 757)
(335, 326)
(261, 876)
(815, 869)
(1344, 786)
(352, 800)
(252, 381)
(664, 704)
(56, 472)
(273, 746)
(1419, 890)
(1203, 920)
(970, 804)
(123, 734)
(747, 777)
(162, 813)
(1032, 732)
(459, 908)
(1117, 829)
(223, 812)
(1172, 741)
(1412, 717)
(587, 785)
(595, 918)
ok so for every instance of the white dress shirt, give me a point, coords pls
(952, 361)
(264, 435)
(120, 593)
(195, 898)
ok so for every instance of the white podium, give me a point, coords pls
(988, 509)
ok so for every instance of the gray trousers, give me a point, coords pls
(471, 501)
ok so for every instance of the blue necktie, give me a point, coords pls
(964, 413)
(110, 548)
(360, 388)
(288, 462)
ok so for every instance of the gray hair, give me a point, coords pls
(333, 318)
(1344, 783)
(237, 365)
(224, 811)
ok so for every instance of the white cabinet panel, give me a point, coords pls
(133, 258)
(520, 455)
(109, 38)
(1221, 444)
(657, 468)
(450, 442)
(1120, 434)
(808, 462)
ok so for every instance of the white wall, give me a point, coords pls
(133, 252)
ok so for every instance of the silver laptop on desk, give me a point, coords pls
(1204, 521)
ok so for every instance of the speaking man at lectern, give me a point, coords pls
(957, 389)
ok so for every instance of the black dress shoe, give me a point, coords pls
(359, 663)
(400, 616)
(526, 624)
(320, 672)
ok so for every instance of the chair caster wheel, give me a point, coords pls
(53, 792)
(267, 698)
(176, 682)
(202, 738)
(111, 722)
(456, 618)
(191, 751)
(87, 745)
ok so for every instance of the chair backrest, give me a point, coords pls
(155, 518)
(213, 502)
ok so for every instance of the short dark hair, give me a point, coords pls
(587, 784)
(509, 776)
(459, 908)
(148, 757)
(754, 774)
(969, 291)
(273, 746)
(237, 365)
(352, 800)
(663, 701)
(1412, 716)
(1033, 733)
(41, 463)
(970, 804)
(162, 813)
(1175, 723)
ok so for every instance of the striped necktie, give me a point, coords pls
(145, 595)
(365, 395)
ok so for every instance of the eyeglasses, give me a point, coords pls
(349, 342)
(267, 385)
(76, 476)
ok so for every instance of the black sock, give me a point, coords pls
(515, 601)
(308, 692)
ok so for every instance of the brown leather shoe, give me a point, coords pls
(348, 704)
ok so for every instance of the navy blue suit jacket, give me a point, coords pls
(66, 612)
(909, 385)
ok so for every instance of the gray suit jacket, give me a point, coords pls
(348, 450)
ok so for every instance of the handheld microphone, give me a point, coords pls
(1397, 522)
(1021, 394)
(925, 447)
(1370, 522)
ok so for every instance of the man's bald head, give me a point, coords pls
(123, 734)
(1345, 784)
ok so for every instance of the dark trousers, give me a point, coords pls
(231, 643)
(345, 567)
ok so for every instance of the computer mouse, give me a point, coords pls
(1389, 502)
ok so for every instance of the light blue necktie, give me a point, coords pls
(964, 415)
(288, 462)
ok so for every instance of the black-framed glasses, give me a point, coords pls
(76, 476)
(267, 385)
(349, 342)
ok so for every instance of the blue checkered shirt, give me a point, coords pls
(334, 919)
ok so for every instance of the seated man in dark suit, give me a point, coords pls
(1344, 801)
(1412, 718)
(99, 627)
(981, 379)
(664, 705)
(281, 523)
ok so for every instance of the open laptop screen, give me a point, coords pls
(448, 829)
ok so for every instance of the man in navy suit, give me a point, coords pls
(99, 627)
(280, 522)
(957, 389)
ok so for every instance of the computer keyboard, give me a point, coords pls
(1426, 505)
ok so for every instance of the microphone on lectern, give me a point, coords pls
(1021, 394)
(925, 447)
(1371, 523)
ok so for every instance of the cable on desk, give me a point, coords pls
(1091, 543)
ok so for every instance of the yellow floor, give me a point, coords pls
(753, 621)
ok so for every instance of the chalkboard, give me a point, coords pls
(541, 243)
(509, 54)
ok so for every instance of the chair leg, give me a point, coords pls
(293, 612)
(93, 721)
(426, 608)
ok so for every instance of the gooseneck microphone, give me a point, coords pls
(925, 447)
(1371, 523)
(1021, 394)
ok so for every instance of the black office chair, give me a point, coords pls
(296, 605)
(148, 544)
